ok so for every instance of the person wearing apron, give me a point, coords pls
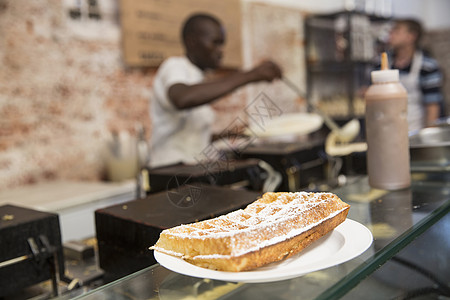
(180, 103)
(411, 82)
(419, 74)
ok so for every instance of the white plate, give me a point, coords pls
(345, 242)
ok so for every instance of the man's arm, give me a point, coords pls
(432, 113)
(186, 96)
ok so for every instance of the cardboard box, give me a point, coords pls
(151, 29)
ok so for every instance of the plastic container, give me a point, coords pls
(388, 162)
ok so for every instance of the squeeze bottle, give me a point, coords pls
(387, 130)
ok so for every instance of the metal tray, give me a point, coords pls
(430, 149)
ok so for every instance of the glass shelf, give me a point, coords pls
(394, 218)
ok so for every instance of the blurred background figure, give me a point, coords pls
(180, 111)
(419, 73)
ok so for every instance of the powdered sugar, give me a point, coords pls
(286, 206)
(272, 241)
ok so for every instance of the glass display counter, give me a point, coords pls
(394, 218)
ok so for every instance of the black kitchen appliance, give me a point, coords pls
(30, 249)
(300, 163)
(222, 172)
(126, 231)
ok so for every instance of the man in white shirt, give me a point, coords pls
(180, 109)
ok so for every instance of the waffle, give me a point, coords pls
(274, 227)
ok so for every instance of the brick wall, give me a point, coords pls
(61, 94)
